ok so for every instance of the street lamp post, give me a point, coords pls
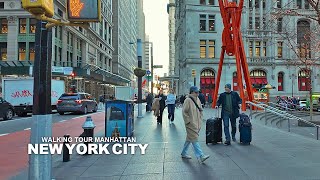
(139, 53)
(151, 68)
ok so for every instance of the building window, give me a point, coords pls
(299, 4)
(22, 51)
(264, 49)
(203, 2)
(4, 26)
(1, 5)
(60, 13)
(3, 51)
(203, 22)
(280, 81)
(303, 81)
(31, 51)
(250, 3)
(33, 23)
(279, 25)
(211, 49)
(203, 52)
(264, 4)
(211, 2)
(257, 4)
(306, 4)
(280, 46)
(23, 25)
(303, 39)
(258, 48)
(250, 23)
(250, 48)
(211, 22)
(279, 3)
(257, 23)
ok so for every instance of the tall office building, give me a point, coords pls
(88, 53)
(125, 34)
(198, 43)
(171, 12)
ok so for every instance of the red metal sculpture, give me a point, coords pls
(232, 45)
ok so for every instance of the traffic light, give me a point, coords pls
(193, 72)
(84, 10)
(39, 7)
(73, 75)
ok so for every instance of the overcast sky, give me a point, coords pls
(157, 28)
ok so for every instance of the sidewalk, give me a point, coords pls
(273, 154)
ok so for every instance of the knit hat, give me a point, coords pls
(228, 86)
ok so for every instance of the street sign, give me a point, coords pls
(39, 7)
(84, 10)
(193, 72)
(148, 72)
(157, 66)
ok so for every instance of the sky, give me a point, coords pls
(156, 25)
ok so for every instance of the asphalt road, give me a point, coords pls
(25, 123)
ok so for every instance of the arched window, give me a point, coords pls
(303, 81)
(258, 78)
(235, 82)
(303, 39)
(207, 82)
(280, 81)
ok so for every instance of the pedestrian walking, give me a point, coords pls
(101, 102)
(149, 100)
(210, 100)
(202, 99)
(230, 102)
(171, 103)
(192, 116)
(162, 103)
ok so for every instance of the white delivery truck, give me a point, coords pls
(19, 92)
(124, 93)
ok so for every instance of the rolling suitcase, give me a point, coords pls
(245, 128)
(214, 130)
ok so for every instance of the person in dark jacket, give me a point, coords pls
(149, 102)
(162, 105)
(230, 102)
(182, 98)
(202, 99)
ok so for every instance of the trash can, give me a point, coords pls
(119, 118)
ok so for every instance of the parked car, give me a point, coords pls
(76, 102)
(6, 110)
(303, 105)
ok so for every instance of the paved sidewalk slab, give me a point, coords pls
(273, 154)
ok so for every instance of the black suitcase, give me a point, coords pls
(214, 130)
(245, 128)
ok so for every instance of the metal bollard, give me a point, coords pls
(65, 154)
(88, 128)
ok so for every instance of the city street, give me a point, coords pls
(25, 123)
(15, 135)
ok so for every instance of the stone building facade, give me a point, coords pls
(198, 32)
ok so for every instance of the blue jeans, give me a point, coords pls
(196, 146)
(226, 118)
(171, 108)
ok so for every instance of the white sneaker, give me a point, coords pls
(203, 158)
(186, 156)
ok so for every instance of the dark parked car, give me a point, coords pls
(6, 110)
(76, 102)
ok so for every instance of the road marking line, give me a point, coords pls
(312, 134)
(62, 120)
(27, 129)
(4, 134)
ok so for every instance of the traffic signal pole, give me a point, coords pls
(40, 165)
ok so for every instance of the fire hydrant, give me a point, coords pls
(88, 129)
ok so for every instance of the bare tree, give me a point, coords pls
(302, 40)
